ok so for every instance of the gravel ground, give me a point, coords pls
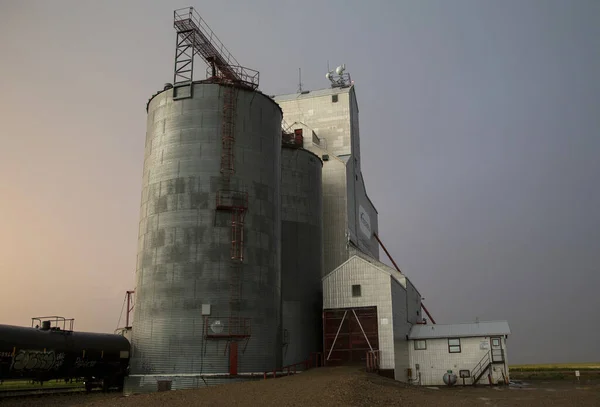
(344, 386)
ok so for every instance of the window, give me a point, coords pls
(356, 290)
(454, 345)
(334, 98)
(420, 344)
(496, 342)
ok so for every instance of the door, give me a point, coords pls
(349, 333)
(233, 358)
(497, 351)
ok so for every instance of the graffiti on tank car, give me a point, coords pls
(26, 360)
(80, 363)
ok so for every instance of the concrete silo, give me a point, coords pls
(208, 292)
(302, 252)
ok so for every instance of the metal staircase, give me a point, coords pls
(492, 357)
(194, 37)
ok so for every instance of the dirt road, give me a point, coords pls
(344, 387)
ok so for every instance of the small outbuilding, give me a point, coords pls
(474, 352)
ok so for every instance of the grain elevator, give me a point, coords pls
(208, 278)
(250, 206)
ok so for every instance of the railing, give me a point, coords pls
(480, 368)
(373, 357)
(215, 327)
(247, 76)
(182, 19)
(315, 360)
(497, 355)
(53, 323)
(232, 200)
(293, 140)
(211, 49)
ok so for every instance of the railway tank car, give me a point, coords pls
(48, 351)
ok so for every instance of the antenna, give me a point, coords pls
(299, 80)
(338, 77)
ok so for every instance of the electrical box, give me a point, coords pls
(205, 309)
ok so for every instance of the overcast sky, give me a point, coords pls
(480, 136)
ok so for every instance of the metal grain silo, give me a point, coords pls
(302, 253)
(208, 305)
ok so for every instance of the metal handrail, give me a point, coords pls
(67, 323)
(495, 354)
(188, 13)
(373, 359)
(481, 366)
(211, 49)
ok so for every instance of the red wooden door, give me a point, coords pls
(348, 334)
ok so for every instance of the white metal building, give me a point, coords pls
(475, 352)
(329, 122)
(368, 305)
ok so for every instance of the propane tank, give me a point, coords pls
(449, 378)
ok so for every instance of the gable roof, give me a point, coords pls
(376, 265)
(488, 328)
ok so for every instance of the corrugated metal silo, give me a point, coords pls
(302, 253)
(208, 288)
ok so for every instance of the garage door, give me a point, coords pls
(348, 334)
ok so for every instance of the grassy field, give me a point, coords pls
(556, 371)
(26, 384)
(563, 367)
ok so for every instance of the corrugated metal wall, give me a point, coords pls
(184, 259)
(302, 254)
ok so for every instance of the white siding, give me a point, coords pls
(335, 199)
(413, 303)
(436, 360)
(401, 329)
(329, 120)
(375, 291)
